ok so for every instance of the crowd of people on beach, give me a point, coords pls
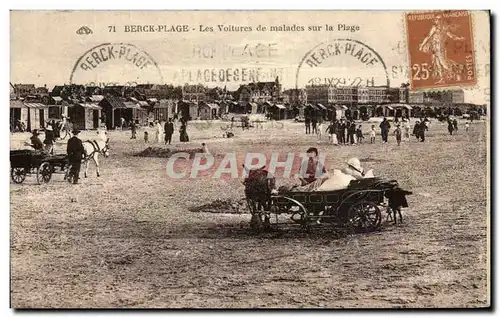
(346, 132)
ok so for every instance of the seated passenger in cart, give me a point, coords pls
(312, 172)
(36, 143)
(315, 177)
(354, 169)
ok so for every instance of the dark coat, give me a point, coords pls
(75, 149)
(49, 137)
(331, 129)
(351, 129)
(169, 128)
(342, 127)
(385, 125)
(416, 129)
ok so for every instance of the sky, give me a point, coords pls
(219, 49)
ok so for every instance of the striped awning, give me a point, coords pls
(36, 105)
(131, 105)
(96, 98)
(89, 106)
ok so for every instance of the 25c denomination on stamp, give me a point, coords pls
(441, 49)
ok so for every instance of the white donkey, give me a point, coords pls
(95, 147)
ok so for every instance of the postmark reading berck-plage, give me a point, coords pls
(441, 49)
(112, 62)
(342, 62)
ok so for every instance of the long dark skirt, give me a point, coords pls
(184, 137)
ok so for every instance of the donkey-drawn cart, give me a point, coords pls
(24, 162)
(356, 208)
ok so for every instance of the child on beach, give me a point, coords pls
(319, 130)
(398, 134)
(359, 134)
(372, 135)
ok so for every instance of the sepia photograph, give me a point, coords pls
(250, 159)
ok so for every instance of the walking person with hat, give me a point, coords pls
(384, 129)
(76, 153)
(49, 139)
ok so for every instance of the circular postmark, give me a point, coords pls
(342, 63)
(115, 64)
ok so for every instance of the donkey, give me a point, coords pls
(259, 184)
(93, 148)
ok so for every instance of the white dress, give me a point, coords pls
(334, 139)
(159, 132)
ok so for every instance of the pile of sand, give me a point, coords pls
(222, 206)
(165, 152)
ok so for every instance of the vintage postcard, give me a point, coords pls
(250, 159)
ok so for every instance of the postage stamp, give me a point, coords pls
(249, 159)
(440, 49)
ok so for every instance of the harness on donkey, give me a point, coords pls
(96, 149)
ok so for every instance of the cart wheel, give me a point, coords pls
(18, 175)
(44, 173)
(365, 216)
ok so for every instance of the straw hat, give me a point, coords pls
(49, 128)
(354, 163)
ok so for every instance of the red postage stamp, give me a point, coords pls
(440, 48)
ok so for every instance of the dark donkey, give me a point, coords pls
(258, 186)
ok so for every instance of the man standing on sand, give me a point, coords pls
(421, 129)
(308, 125)
(314, 122)
(341, 131)
(451, 129)
(169, 131)
(384, 129)
(75, 152)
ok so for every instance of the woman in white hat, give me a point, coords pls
(354, 168)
